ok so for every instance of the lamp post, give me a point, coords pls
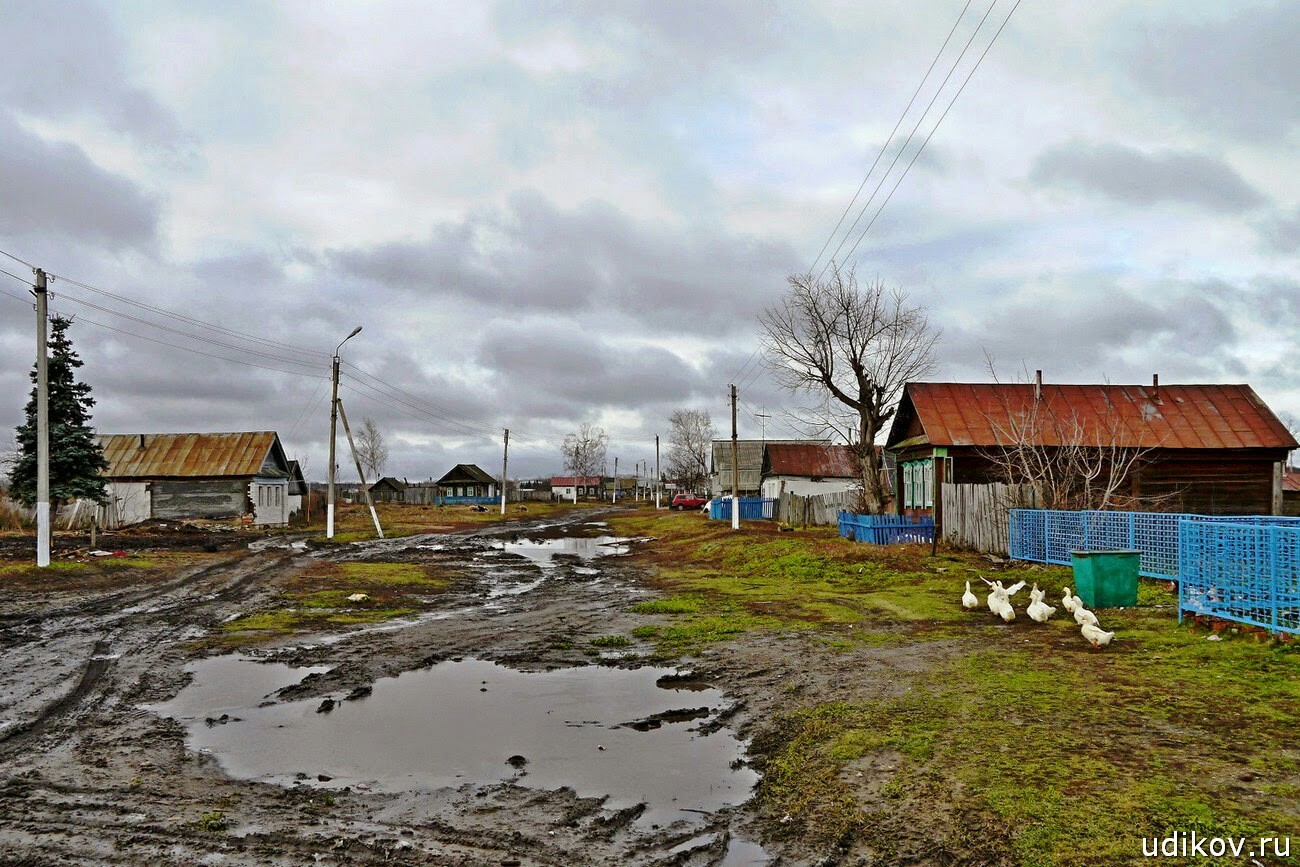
(334, 421)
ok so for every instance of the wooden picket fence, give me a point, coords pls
(816, 510)
(978, 516)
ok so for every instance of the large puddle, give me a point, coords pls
(544, 551)
(633, 735)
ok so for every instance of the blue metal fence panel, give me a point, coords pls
(1244, 572)
(1048, 536)
(467, 501)
(885, 529)
(751, 509)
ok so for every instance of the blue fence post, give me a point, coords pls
(1273, 537)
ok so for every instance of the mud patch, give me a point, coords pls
(478, 723)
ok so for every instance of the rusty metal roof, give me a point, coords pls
(185, 455)
(810, 459)
(1135, 416)
(1291, 480)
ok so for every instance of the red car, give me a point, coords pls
(688, 501)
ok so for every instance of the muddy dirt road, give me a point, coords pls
(123, 741)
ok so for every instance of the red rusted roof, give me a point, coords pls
(1172, 417)
(567, 481)
(188, 455)
(1291, 481)
(810, 459)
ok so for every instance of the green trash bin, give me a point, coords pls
(1106, 579)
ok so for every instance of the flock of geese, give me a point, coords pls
(999, 602)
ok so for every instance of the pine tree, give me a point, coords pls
(76, 460)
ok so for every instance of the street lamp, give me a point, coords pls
(334, 420)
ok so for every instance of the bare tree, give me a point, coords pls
(690, 437)
(1071, 462)
(852, 349)
(584, 451)
(371, 448)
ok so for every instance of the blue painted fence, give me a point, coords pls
(886, 529)
(1245, 572)
(467, 501)
(1048, 536)
(751, 509)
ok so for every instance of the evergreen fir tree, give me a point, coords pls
(76, 460)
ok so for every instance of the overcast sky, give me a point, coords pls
(551, 213)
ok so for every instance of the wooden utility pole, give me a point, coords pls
(334, 425)
(613, 495)
(735, 466)
(42, 424)
(657, 476)
(505, 462)
(361, 474)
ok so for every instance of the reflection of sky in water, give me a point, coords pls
(458, 722)
(542, 551)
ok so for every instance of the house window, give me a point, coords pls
(918, 484)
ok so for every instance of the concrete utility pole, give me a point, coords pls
(657, 476)
(42, 424)
(334, 423)
(613, 495)
(735, 466)
(505, 462)
(365, 489)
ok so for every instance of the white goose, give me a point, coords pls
(968, 599)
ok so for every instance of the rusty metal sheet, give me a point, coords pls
(811, 459)
(185, 455)
(1173, 416)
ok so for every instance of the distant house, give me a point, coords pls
(1209, 449)
(809, 468)
(588, 487)
(176, 476)
(534, 489)
(467, 480)
(388, 490)
(1291, 493)
(297, 488)
(750, 454)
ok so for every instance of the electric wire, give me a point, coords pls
(885, 146)
(919, 150)
(19, 261)
(903, 148)
(29, 283)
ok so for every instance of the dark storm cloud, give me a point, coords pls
(1129, 176)
(1238, 74)
(594, 258)
(53, 187)
(65, 57)
(1100, 329)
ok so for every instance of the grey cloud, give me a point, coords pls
(592, 259)
(1132, 177)
(1238, 74)
(1281, 232)
(55, 187)
(65, 57)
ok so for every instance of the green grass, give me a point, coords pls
(611, 641)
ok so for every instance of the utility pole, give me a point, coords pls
(657, 476)
(334, 423)
(735, 466)
(613, 495)
(365, 489)
(505, 462)
(42, 424)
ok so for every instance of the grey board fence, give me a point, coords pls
(816, 509)
(976, 516)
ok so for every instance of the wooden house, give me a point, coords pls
(388, 490)
(467, 480)
(177, 476)
(807, 469)
(1208, 449)
(749, 455)
(298, 490)
(589, 487)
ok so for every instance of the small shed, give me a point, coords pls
(467, 480)
(388, 490)
(176, 476)
(807, 469)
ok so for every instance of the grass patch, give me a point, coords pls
(611, 641)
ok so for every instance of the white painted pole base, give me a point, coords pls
(735, 515)
(329, 521)
(375, 517)
(42, 534)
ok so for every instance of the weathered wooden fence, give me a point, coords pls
(817, 509)
(977, 516)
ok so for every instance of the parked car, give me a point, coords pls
(687, 501)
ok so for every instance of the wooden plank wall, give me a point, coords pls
(976, 516)
(816, 510)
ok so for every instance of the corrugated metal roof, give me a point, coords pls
(467, 473)
(185, 455)
(809, 459)
(1291, 481)
(1141, 416)
(568, 481)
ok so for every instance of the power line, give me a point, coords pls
(910, 136)
(16, 277)
(890, 138)
(19, 261)
(951, 103)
